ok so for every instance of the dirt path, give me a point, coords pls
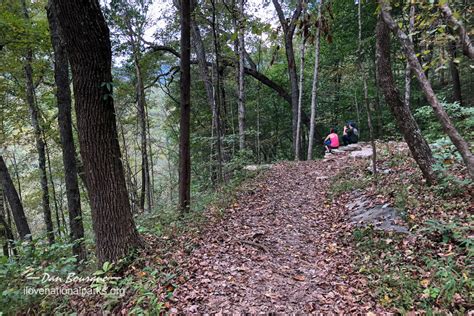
(279, 249)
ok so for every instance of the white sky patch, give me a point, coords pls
(261, 9)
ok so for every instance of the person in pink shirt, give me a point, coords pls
(331, 141)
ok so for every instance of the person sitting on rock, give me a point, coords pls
(331, 141)
(350, 134)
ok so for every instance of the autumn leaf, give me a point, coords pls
(299, 277)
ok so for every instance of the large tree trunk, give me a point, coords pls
(14, 200)
(458, 141)
(406, 122)
(30, 97)
(63, 97)
(314, 88)
(185, 104)
(289, 31)
(87, 41)
(241, 103)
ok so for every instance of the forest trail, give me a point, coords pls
(279, 248)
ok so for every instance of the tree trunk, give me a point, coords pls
(458, 141)
(17, 175)
(457, 95)
(30, 97)
(208, 84)
(13, 199)
(53, 189)
(185, 104)
(7, 231)
(411, 27)
(63, 97)
(151, 184)
(366, 94)
(241, 103)
(217, 92)
(300, 87)
(89, 50)
(314, 88)
(129, 179)
(145, 170)
(289, 30)
(406, 122)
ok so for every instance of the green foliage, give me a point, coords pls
(433, 280)
(35, 262)
(463, 118)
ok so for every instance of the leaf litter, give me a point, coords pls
(280, 247)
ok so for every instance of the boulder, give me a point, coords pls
(257, 167)
(351, 147)
(337, 151)
(364, 153)
(382, 217)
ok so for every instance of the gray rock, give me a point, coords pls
(381, 217)
(351, 147)
(257, 167)
(364, 153)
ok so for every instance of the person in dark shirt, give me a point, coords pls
(350, 134)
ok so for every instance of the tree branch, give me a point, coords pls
(467, 46)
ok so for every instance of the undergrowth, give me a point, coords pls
(130, 283)
(430, 269)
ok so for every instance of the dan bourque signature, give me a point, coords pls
(72, 277)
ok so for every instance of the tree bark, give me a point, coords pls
(314, 88)
(406, 122)
(241, 103)
(129, 179)
(210, 89)
(7, 231)
(300, 87)
(216, 114)
(458, 141)
(289, 31)
(14, 200)
(468, 48)
(86, 37)
(53, 189)
(145, 192)
(411, 27)
(457, 95)
(366, 93)
(40, 147)
(202, 62)
(63, 98)
(185, 104)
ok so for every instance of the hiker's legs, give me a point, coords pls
(345, 140)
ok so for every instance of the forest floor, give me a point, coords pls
(280, 248)
(287, 242)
